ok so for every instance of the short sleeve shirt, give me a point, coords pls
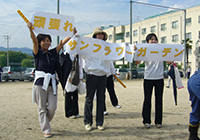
(46, 62)
(154, 70)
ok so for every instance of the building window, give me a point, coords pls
(143, 41)
(175, 24)
(153, 29)
(199, 35)
(175, 38)
(120, 36)
(144, 31)
(199, 19)
(135, 33)
(189, 35)
(163, 27)
(163, 39)
(110, 37)
(188, 21)
(127, 34)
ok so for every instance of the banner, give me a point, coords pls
(97, 48)
(159, 52)
(53, 24)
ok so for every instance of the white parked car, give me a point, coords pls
(121, 73)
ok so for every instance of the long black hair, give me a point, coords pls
(41, 37)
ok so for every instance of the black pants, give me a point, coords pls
(146, 112)
(111, 91)
(94, 84)
(188, 75)
(71, 103)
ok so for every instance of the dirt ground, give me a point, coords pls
(19, 118)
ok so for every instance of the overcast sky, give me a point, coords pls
(88, 14)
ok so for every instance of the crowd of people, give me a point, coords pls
(99, 77)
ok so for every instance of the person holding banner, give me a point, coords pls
(96, 71)
(45, 84)
(153, 78)
(110, 88)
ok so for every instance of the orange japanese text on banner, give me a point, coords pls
(53, 24)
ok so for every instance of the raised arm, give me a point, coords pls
(64, 41)
(34, 39)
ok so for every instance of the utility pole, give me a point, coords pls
(7, 38)
(58, 9)
(130, 36)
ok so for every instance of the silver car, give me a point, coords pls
(121, 73)
(12, 73)
(29, 74)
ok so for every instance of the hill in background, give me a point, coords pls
(23, 50)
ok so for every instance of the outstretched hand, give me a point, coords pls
(60, 46)
(75, 31)
(29, 25)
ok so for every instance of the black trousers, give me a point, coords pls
(146, 112)
(94, 84)
(111, 91)
(188, 75)
(71, 103)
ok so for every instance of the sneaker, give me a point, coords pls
(158, 125)
(147, 125)
(47, 135)
(78, 116)
(118, 106)
(167, 86)
(105, 113)
(88, 127)
(100, 128)
(72, 117)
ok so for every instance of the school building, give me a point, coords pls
(169, 28)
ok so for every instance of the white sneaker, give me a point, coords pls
(78, 116)
(147, 125)
(72, 117)
(47, 135)
(88, 127)
(105, 113)
(100, 128)
(118, 106)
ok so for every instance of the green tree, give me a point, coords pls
(188, 46)
(3, 60)
(27, 63)
(14, 57)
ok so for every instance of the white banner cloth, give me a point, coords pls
(96, 48)
(161, 52)
(114, 51)
(53, 24)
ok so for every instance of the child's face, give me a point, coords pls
(153, 40)
(100, 36)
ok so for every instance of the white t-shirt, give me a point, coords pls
(189, 70)
(96, 66)
(154, 70)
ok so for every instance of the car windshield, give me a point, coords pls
(28, 70)
(140, 69)
(5, 69)
(122, 70)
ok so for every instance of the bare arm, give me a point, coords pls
(64, 41)
(34, 39)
